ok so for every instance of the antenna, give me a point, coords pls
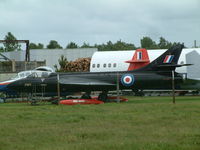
(195, 44)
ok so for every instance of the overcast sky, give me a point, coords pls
(97, 21)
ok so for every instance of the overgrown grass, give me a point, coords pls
(143, 123)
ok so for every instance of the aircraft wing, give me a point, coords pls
(84, 81)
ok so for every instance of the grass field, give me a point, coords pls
(143, 123)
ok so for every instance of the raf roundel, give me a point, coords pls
(127, 79)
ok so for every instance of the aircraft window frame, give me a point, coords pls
(93, 65)
(109, 65)
(98, 65)
(22, 75)
(34, 75)
(27, 74)
(104, 65)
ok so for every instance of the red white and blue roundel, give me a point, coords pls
(127, 79)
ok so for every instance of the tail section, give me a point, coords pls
(167, 61)
(140, 59)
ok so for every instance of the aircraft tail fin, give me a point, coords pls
(140, 59)
(167, 61)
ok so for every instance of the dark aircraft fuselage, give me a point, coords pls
(141, 80)
(156, 75)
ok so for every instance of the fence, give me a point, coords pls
(17, 66)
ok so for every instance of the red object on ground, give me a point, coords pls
(140, 59)
(80, 101)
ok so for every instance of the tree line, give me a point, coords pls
(146, 42)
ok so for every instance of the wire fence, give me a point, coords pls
(17, 66)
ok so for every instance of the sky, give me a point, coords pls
(98, 21)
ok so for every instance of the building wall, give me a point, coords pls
(7, 76)
(51, 55)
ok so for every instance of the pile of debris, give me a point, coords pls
(79, 65)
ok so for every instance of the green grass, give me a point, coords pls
(143, 123)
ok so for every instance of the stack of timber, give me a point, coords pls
(79, 65)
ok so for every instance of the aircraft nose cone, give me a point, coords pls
(3, 86)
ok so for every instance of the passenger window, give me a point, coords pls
(98, 65)
(114, 65)
(93, 65)
(104, 65)
(109, 65)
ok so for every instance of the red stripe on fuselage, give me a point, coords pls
(5, 83)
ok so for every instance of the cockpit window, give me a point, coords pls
(27, 74)
(39, 74)
(21, 75)
(32, 75)
(24, 74)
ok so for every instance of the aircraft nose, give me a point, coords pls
(3, 86)
(11, 85)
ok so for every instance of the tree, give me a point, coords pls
(32, 46)
(11, 46)
(72, 45)
(2, 49)
(109, 46)
(40, 46)
(62, 62)
(35, 46)
(148, 43)
(53, 45)
(164, 44)
(119, 45)
(86, 45)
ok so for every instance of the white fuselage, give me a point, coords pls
(115, 61)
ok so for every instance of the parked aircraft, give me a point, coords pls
(107, 61)
(43, 70)
(156, 75)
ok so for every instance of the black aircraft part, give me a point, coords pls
(152, 76)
